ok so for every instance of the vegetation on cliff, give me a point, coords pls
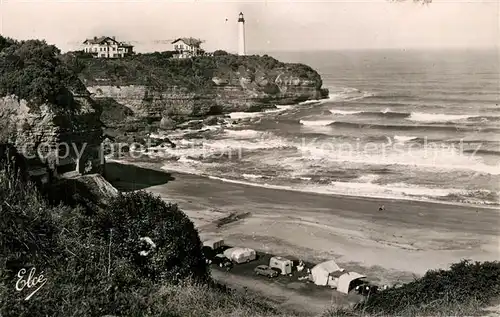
(90, 260)
(460, 291)
(31, 70)
(160, 71)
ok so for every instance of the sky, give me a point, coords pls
(279, 25)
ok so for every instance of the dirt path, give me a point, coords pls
(288, 299)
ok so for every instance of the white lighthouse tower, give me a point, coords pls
(241, 35)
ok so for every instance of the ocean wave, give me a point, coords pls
(316, 123)
(383, 113)
(443, 128)
(483, 151)
(343, 112)
(430, 158)
(437, 117)
(245, 115)
(250, 115)
(477, 197)
(244, 134)
(410, 98)
(401, 191)
(403, 139)
(252, 176)
(418, 116)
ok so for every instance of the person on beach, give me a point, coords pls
(381, 208)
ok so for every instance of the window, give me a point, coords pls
(103, 55)
(115, 55)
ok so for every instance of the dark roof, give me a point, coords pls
(189, 41)
(99, 40)
(102, 39)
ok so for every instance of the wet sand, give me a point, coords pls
(406, 239)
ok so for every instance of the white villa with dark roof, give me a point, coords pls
(187, 47)
(107, 47)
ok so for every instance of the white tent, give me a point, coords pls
(240, 255)
(346, 279)
(320, 274)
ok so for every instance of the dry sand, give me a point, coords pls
(406, 239)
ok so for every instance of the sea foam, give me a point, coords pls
(316, 123)
(343, 112)
(436, 117)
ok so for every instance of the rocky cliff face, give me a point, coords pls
(46, 113)
(63, 141)
(182, 90)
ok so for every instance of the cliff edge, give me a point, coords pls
(157, 88)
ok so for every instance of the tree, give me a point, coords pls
(220, 53)
(173, 251)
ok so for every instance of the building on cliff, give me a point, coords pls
(187, 47)
(107, 47)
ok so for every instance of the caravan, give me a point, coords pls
(240, 255)
(283, 264)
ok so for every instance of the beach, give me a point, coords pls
(406, 239)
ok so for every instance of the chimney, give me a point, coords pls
(114, 37)
(95, 38)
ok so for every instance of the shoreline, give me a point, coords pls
(405, 240)
(159, 167)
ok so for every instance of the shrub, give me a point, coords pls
(178, 253)
(462, 289)
(220, 53)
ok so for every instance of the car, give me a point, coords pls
(222, 261)
(265, 270)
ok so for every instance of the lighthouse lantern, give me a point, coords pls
(241, 35)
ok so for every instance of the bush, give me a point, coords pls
(178, 253)
(461, 290)
(220, 53)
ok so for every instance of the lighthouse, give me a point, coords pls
(241, 35)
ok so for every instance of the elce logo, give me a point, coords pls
(30, 282)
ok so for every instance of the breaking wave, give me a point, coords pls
(437, 117)
(316, 123)
(403, 139)
(416, 116)
(402, 127)
(362, 188)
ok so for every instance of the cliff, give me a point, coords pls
(152, 87)
(46, 113)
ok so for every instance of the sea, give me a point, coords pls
(414, 125)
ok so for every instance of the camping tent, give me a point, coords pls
(345, 281)
(240, 255)
(320, 274)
